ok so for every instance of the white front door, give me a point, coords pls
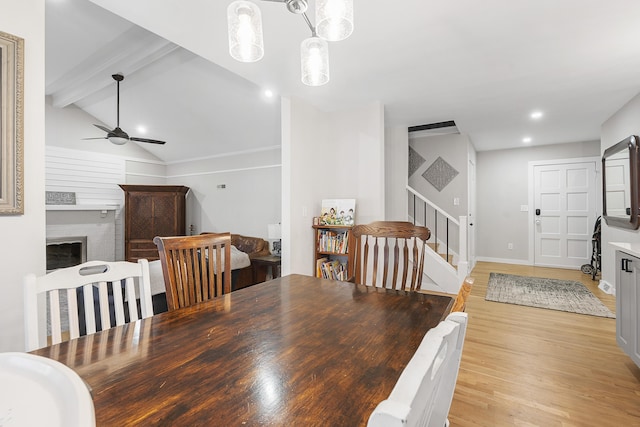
(564, 213)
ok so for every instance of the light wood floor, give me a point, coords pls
(524, 366)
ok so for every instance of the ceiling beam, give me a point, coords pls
(128, 53)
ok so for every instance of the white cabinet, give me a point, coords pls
(627, 304)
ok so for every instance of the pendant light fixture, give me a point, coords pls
(334, 19)
(245, 31)
(314, 53)
(334, 23)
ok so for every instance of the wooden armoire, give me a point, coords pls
(150, 211)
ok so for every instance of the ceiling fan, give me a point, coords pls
(118, 136)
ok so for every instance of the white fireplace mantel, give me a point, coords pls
(83, 207)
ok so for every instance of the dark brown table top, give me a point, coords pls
(297, 350)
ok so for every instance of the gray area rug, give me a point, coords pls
(554, 294)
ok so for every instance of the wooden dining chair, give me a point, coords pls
(86, 298)
(460, 303)
(423, 394)
(388, 254)
(195, 268)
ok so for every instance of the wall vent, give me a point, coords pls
(430, 129)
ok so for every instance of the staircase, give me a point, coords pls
(446, 262)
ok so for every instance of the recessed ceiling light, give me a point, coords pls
(536, 115)
(268, 93)
(141, 129)
(526, 139)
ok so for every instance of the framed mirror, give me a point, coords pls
(11, 124)
(620, 189)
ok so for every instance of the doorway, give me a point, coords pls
(564, 210)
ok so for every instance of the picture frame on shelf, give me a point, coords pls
(337, 212)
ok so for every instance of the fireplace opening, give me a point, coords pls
(65, 252)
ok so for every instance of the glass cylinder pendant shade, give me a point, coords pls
(315, 61)
(245, 31)
(334, 19)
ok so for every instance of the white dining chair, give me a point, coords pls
(422, 396)
(103, 282)
(38, 391)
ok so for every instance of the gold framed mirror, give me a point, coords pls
(11, 124)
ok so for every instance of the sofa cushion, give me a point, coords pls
(253, 246)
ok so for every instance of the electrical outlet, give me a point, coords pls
(510, 246)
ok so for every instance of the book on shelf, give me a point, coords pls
(333, 270)
(319, 263)
(334, 242)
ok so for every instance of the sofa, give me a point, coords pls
(254, 247)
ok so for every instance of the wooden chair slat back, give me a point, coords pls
(388, 265)
(195, 268)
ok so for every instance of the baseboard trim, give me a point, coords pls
(503, 260)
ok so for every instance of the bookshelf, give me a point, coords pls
(331, 250)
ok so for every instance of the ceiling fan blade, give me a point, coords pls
(152, 141)
(107, 130)
(102, 137)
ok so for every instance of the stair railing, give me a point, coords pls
(453, 245)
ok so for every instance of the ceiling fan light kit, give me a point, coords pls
(334, 23)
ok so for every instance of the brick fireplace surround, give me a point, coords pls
(73, 223)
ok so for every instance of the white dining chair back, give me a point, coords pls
(422, 396)
(39, 391)
(100, 281)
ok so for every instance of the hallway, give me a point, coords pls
(524, 366)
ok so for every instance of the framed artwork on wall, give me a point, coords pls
(11, 124)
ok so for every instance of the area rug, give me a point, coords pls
(554, 294)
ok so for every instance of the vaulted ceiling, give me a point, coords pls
(487, 65)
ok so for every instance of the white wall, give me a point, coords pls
(623, 123)
(453, 149)
(326, 156)
(502, 187)
(250, 200)
(396, 156)
(23, 236)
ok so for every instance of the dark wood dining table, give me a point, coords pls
(296, 350)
